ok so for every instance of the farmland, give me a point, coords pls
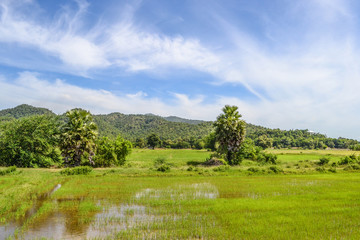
(189, 201)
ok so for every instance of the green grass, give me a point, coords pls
(136, 201)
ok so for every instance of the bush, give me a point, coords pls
(253, 170)
(159, 161)
(7, 170)
(275, 169)
(324, 161)
(348, 159)
(222, 168)
(320, 169)
(161, 165)
(163, 168)
(266, 158)
(215, 160)
(352, 167)
(76, 171)
(112, 153)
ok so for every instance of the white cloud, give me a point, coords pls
(120, 44)
(310, 82)
(60, 96)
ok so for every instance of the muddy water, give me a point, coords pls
(107, 220)
(10, 228)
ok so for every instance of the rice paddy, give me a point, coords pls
(138, 202)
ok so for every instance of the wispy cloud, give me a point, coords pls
(119, 44)
(302, 66)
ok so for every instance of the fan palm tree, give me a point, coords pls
(78, 137)
(230, 133)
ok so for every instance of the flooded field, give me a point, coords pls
(113, 206)
(58, 219)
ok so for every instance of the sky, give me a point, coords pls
(285, 64)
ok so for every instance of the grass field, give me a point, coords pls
(188, 202)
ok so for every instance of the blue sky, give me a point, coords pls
(285, 64)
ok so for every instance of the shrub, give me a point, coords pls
(215, 160)
(112, 153)
(253, 170)
(320, 169)
(352, 167)
(275, 169)
(76, 171)
(333, 170)
(348, 159)
(222, 168)
(161, 165)
(7, 170)
(323, 161)
(159, 161)
(163, 168)
(266, 158)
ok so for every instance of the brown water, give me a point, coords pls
(106, 221)
(10, 228)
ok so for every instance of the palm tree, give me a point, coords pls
(78, 137)
(230, 133)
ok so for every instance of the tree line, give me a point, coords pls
(48, 140)
(77, 138)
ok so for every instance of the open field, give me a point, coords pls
(189, 202)
(300, 154)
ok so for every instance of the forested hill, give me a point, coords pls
(177, 129)
(140, 126)
(24, 110)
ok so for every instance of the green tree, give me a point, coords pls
(105, 155)
(78, 137)
(230, 133)
(140, 143)
(112, 153)
(122, 148)
(30, 142)
(153, 140)
(264, 141)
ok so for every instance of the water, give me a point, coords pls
(108, 220)
(9, 229)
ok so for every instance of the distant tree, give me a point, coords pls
(153, 140)
(140, 143)
(30, 142)
(78, 137)
(167, 143)
(230, 133)
(199, 144)
(264, 142)
(210, 141)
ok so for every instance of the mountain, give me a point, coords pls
(140, 126)
(129, 126)
(24, 110)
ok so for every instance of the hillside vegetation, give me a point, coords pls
(173, 130)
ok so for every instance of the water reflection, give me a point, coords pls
(65, 220)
